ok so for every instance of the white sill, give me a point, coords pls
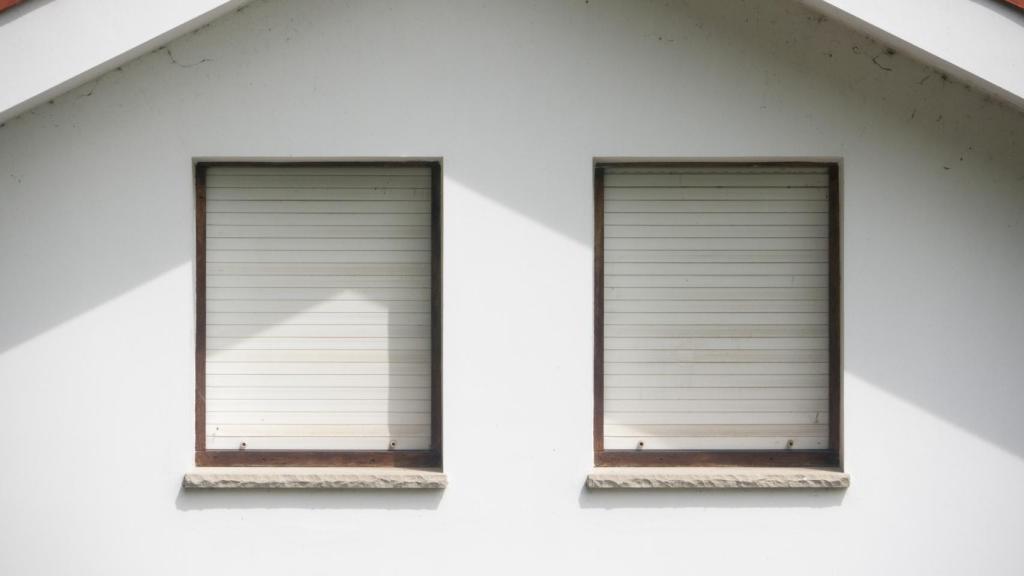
(718, 478)
(315, 478)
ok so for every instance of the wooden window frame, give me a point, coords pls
(830, 457)
(429, 458)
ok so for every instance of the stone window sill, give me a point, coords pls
(717, 478)
(315, 478)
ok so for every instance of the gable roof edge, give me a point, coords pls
(946, 40)
(22, 96)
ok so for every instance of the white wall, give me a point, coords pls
(96, 327)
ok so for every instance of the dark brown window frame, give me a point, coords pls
(430, 458)
(830, 457)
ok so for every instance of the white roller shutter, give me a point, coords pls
(716, 308)
(318, 318)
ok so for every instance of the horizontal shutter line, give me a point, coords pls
(299, 231)
(788, 442)
(320, 443)
(310, 380)
(282, 417)
(617, 418)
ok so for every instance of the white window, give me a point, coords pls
(718, 299)
(319, 314)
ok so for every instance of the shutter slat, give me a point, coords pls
(660, 306)
(717, 356)
(325, 244)
(271, 418)
(317, 207)
(319, 405)
(715, 380)
(318, 331)
(299, 194)
(382, 218)
(311, 306)
(716, 393)
(716, 268)
(303, 369)
(717, 430)
(682, 179)
(319, 443)
(716, 405)
(706, 206)
(719, 293)
(674, 219)
(785, 257)
(734, 368)
(708, 417)
(717, 331)
(611, 343)
(318, 430)
(716, 244)
(724, 443)
(317, 393)
(313, 282)
(352, 356)
(383, 178)
(688, 318)
(614, 281)
(270, 319)
(318, 256)
(327, 380)
(390, 343)
(318, 294)
(727, 232)
(717, 194)
(303, 232)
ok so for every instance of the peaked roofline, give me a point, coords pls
(95, 38)
(979, 42)
(100, 35)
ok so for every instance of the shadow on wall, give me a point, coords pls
(62, 276)
(878, 111)
(308, 499)
(658, 498)
(925, 283)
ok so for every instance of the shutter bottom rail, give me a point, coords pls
(303, 458)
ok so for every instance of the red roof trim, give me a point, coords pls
(5, 4)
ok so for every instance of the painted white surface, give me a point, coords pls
(715, 307)
(96, 244)
(980, 41)
(318, 307)
(50, 46)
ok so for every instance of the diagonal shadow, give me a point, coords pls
(794, 84)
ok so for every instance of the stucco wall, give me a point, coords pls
(518, 98)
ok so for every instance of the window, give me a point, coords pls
(318, 314)
(716, 315)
